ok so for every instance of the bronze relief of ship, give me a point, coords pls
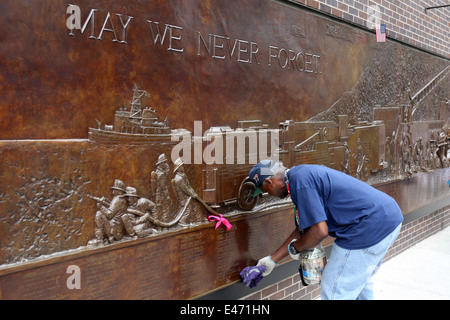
(136, 125)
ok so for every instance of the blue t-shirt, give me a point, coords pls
(357, 215)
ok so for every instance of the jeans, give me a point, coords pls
(348, 273)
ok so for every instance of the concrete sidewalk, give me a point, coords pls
(421, 272)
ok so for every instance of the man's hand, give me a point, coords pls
(268, 263)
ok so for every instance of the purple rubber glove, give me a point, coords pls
(251, 276)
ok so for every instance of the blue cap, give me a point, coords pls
(261, 172)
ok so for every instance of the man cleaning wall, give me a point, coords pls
(364, 221)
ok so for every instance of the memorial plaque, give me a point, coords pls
(232, 254)
(127, 131)
(154, 265)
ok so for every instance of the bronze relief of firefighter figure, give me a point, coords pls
(362, 162)
(126, 215)
(130, 216)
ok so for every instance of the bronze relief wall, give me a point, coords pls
(90, 117)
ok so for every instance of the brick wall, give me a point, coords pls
(405, 21)
(411, 233)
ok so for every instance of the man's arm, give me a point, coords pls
(311, 238)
